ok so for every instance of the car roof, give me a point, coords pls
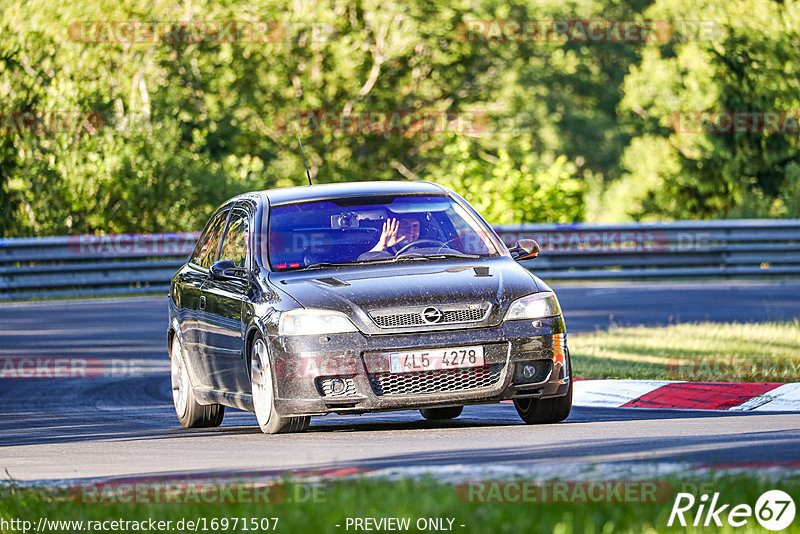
(310, 193)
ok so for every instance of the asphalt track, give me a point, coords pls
(60, 429)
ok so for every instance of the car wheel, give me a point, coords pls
(543, 411)
(191, 414)
(432, 414)
(270, 421)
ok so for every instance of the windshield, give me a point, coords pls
(371, 230)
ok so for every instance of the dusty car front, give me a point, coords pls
(446, 318)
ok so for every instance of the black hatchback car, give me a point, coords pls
(361, 297)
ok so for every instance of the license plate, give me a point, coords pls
(436, 359)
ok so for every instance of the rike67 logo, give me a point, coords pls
(774, 510)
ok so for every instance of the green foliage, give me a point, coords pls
(187, 125)
(510, 188)
(749, 63)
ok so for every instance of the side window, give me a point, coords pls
(234, 248)
(206, 250)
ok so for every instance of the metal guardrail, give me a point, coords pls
(695, 249)
(88, 265)
(144, 263)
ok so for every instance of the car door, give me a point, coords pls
(191, 304)
(225, 302)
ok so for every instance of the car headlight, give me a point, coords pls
(536, 306)
(307, 322)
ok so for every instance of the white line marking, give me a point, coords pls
(613, 393)
(785, 398)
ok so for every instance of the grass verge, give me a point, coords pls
(338, 501)
(717, 352)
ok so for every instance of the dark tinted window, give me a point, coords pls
(205, 253)
(371, 228)
(234, 248)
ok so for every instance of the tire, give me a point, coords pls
(263, 388)
(544, 411)
(435, 414)
(191, 414)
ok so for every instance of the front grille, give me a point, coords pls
(325, 386)
(442, 381)
(415, 316)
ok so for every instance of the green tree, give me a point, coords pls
(745, 58)
(187, 125)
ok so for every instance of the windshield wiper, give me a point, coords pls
(354, 262)
(437, 255)
(403, 257)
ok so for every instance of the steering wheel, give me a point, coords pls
(418, 241)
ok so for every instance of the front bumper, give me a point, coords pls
(305, 367)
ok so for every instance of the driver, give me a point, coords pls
(397, 232)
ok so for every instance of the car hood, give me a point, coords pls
(361, 289)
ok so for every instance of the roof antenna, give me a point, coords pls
(304, 160)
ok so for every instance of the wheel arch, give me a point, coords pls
(173, 330)
(252, 331)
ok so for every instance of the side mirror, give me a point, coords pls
(227, 270)
(525, 249)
